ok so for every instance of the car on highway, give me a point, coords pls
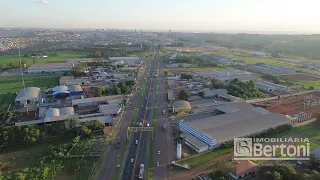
(132, 160)
(158, 152)
(158, 164)
(137, 141)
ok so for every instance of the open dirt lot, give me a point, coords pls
(300, 77)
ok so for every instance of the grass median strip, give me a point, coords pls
(133, 122)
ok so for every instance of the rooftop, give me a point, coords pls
(29, 92)
(182, 104)
(110, 108)
(110, 99)
(51, 65)
(240, 120)
(194, 140)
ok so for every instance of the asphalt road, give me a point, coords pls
(163, 140)
(108, 169)
(140, 152)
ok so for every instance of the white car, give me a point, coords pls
(132, 160)
(136, 141)
(158, 164)
(158, 152)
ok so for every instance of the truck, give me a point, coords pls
(141, 172)
(164, 127)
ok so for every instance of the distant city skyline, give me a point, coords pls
(229, 16)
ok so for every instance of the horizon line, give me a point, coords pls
(261, 32)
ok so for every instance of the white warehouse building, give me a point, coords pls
(54, 68)
(29, 95)
(270, 87)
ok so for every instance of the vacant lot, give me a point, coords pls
(300, 77)
(11, 85)
(61, 56)
(24, 156)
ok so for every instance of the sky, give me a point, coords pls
(188, 15)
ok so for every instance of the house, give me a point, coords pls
(243, 169)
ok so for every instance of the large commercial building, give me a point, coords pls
(52, 68)
(29, 95)
(68, 91)
(235, 120)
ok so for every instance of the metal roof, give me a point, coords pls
(213, 92)
(236, 124)
(116, 98)
(234, 107)
(182, 104)
(103, 119)
(54, 112)
(171, 95)
(110, 109)
(194, 140)
(28, 93)
(51, 112)
(75, 88)
(51, 65)
(60, 89)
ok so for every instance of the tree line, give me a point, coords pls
(120, 88)
(245, 90)
(199, 62)
(19, 135)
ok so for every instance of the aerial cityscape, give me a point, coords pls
(156, 101)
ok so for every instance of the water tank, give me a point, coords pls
(179, 149)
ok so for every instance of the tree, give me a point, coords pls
(96, 125)
(100, 91)
(276, 176)
(202, 94)
(311, 87)
(223, 166)
(314, 163)
(117, 90)
(165, 73)
(184, 94)
(186, 76)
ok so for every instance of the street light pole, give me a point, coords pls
(118, 156)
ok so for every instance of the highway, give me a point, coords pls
(108, 169)
(163, 140)
(140, 152)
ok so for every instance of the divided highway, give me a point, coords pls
(140, 152)
(108, 169)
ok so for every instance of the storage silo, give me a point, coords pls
(179, 149)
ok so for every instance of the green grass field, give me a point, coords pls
(11, 85)
(316, 137)
(202, 159)
(250, 59)
(62, 56)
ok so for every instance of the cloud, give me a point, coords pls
(42, 2)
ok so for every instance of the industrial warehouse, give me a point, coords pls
(232, 120)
